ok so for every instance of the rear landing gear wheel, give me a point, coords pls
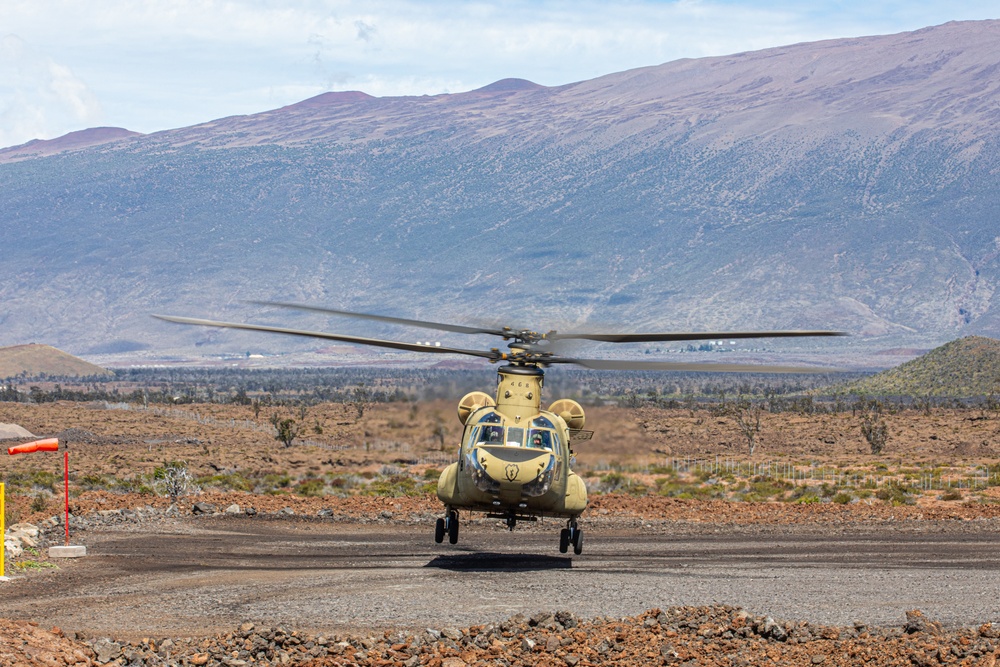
(564, 539)
(439, 531)
(452, 527)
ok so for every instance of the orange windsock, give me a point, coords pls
(47, 445)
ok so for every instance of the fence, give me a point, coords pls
(936, 478)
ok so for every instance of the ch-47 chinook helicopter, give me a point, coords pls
(514, 459)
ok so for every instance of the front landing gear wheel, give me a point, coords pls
(564, 539)
(452, 527)
(439, 531)
(578, 541)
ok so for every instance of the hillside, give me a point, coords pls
(34, 360)
(848, 184)
(965, 367)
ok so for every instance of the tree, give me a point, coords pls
(286, 429)
(747, 416)
(873, 427)
(173, 479)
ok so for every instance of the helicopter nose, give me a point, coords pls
(512, 465)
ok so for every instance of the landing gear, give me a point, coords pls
(447, 525)
(439, 531)
(571, 535)
(511, 522)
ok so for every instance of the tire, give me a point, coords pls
(439, 531)
(453, 529)
(564, 540)
(578, 542)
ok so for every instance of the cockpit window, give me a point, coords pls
(541, 422)
(491, 435)
(540, 439)
(515, 437)
(491, 418)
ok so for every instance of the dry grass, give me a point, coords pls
(396, 449)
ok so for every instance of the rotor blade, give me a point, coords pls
(455, 328)
(410, 347)
(679, 336)
(624, 365)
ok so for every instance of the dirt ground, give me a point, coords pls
(369, 561)
(211, 438)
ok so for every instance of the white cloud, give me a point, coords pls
(39, 97)
(156, 64)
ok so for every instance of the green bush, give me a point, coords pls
(396, 485)
(311, 488)
(895, 493)
(231, 481)
(952, 494)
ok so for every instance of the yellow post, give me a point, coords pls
(3, 530)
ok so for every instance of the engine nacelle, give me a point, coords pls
(472, 402)
(571, 412)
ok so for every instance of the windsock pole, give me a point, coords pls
(3, 531)
(49, 445)
(66, 489)
(52, 445)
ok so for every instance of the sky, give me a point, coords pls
(150, 65)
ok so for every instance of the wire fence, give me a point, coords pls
(813, 473)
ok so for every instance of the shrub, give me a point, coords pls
(311, 488)
(952, 494)
(895, 493)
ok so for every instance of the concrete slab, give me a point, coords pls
(70, 551)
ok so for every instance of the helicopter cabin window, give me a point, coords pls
(540, 439)
(491, 435)
(490, 418)
(515, 437)
(542, 422)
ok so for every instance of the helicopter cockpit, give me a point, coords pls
(540, 434)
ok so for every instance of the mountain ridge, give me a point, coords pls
(844, 184)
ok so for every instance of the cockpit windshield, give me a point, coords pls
(515, 436)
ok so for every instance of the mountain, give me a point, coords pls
(94, 136)
(965, 367)
(34, 360)
(849, 184)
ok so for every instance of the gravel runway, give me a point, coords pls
(198, 576)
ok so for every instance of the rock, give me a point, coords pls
(552, 643)
(23, 529)
(106, 649)
(251, 511)
(452, 634)
(325, 512)
(527, 645)
(233, 509)
(199, 659)
(917, 622)
(286, 511)
(204, 508)
(773, 630)
(13, 548)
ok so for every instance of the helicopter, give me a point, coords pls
(515, 458)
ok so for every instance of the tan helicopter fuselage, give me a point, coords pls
(514, 458)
